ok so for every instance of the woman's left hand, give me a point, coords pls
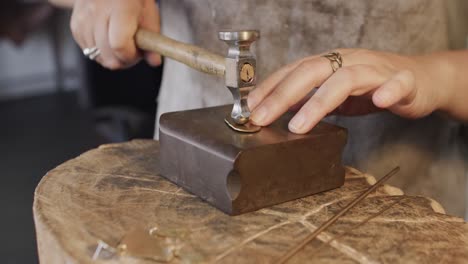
(368, 81)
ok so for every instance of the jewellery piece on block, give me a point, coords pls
(245, 128)
(336, 61)
(242, 172)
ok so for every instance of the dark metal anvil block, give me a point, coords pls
(238, 172)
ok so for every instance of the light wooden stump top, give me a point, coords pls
(104, 193)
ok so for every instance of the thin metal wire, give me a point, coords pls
(333, 219)
(311, 254)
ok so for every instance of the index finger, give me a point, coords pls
(353, 80)
(291, 89)
(266, 87)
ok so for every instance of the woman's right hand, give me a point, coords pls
(111, 25)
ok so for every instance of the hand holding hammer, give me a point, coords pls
(104, 29)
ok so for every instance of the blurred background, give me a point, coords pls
(54, 105)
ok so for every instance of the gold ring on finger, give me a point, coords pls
(336, 61)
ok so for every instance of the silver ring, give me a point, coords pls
(91, 53)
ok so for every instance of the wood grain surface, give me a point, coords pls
(105, 193)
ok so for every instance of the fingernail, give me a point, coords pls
(259, 115)
(297, 123)
(382, 98)
(251, 101)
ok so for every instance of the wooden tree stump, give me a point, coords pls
(105, 193)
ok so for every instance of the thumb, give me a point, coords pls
(150, 20)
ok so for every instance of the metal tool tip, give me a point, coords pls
(240, 35)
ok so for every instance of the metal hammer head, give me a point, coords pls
(240, 70)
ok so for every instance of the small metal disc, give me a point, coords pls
(245, 128)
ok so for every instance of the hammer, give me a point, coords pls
(238, 67)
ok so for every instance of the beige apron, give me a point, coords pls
(428, 150)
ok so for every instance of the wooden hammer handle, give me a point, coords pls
(193, 56)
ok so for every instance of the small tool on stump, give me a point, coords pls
(218, 155)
